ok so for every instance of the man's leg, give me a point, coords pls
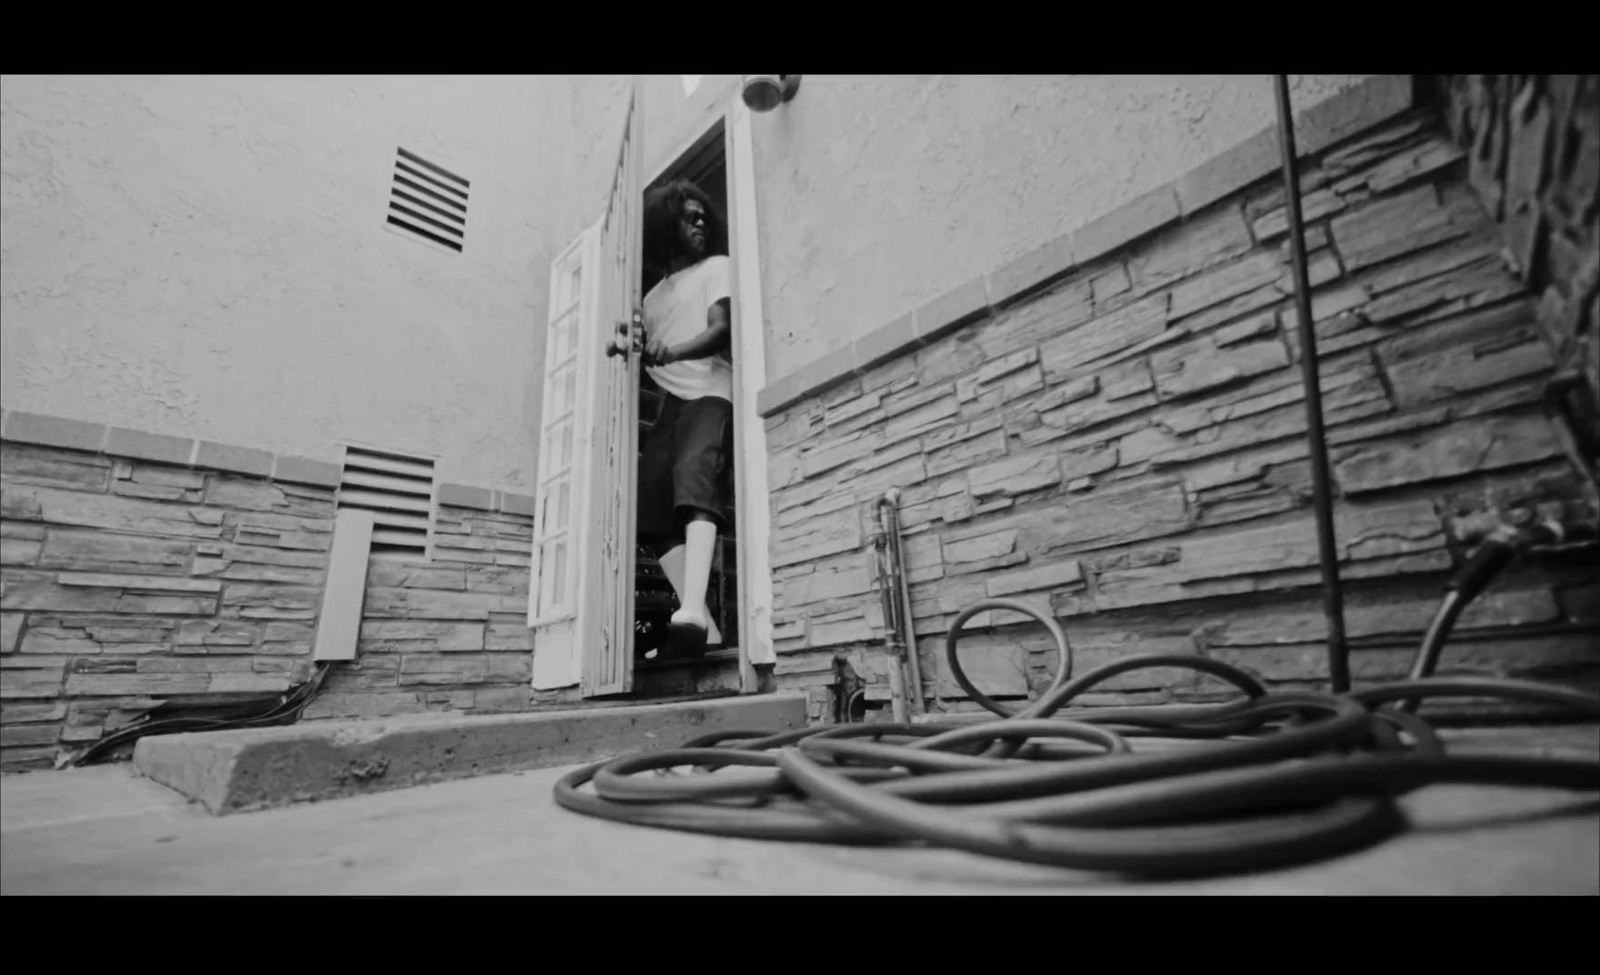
(672, 564)
(660, 525)
(700, 498)
(700, 541)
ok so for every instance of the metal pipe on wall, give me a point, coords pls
(894, 589)
(915, 692)
(893, 649)
(1321, 479)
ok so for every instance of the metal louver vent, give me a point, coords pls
(428, 201)
(398, 491)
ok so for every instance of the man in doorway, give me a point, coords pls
(686, 461)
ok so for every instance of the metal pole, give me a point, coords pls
(892, 648)
(1321, 480)
(917, 699)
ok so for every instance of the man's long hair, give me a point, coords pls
(663, 208)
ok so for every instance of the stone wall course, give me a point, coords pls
(131, 579)
(1155, 464)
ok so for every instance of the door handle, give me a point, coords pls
(619, 344)
(622, 343)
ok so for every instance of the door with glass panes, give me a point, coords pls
(580, 603)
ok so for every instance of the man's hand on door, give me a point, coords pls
(657, 353)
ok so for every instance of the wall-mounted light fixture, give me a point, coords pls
(765, 92)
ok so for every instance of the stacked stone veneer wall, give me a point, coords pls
(1126, 449)
(450, 634)
(139, 568)
(1533, 143)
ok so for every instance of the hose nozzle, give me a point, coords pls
(1503, 546)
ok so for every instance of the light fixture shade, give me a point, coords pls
(765, 92)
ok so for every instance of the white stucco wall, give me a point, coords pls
(878, 194)
(207, 257)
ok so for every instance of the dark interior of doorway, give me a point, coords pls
(703, 164)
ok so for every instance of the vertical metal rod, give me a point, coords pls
(1327, 545)
(918, 700)
(892, 648)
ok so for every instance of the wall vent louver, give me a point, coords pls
(398, 490)
(428, 201)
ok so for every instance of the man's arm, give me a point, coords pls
(716, 338)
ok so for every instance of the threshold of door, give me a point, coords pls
(711, 658)
(259, 768)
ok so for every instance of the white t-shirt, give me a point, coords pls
(675, 312)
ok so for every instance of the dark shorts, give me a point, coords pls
(686, 466)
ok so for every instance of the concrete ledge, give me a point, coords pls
(877, 347)
(138, 445)
(516, 503)
(63, 433)
(1317, 129)
(1138, 218)
(239, 771)
(54, 431)
(304, 470)
(950, 311)
(1033, 271)
(785, 392)
(466, 496)
(234, 460)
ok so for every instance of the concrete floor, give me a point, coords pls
(107, 831)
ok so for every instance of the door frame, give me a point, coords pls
(753, 520)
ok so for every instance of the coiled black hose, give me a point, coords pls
(1274, 779)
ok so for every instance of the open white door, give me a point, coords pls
(581, 596)
(608, 564)
(564, 472)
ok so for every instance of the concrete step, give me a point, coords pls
(259, 768)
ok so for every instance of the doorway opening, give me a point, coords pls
(704, 164)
